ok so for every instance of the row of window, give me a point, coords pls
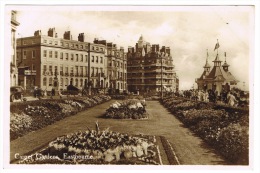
(115, 53)
(26, 42)
(73, 45)
(56, 43)
(116, 64)
(26, 54)
(49, 82)
(76, 82)
(73, 57)
(116, 74)
(78, 70)
(148, 61)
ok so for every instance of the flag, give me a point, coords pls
(207, 53)
(225, 54)
(217, 46)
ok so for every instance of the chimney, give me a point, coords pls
(131, 49)
(51, 32)
(168, 50)
(67, 35)
(109, 44)
(81, 37)
(163, 49)
(96, 41)
(155, 47)
(37, 33)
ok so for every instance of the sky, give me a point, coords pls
(188, 30)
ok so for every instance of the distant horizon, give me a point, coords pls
(188, 33)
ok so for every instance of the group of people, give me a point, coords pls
(226, 97)
(38, 92)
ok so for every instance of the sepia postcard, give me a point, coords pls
(151, 87)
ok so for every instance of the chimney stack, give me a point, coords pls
(81, 37)
(155, 47)
(51, 32)
(37, 33)
(67, 35)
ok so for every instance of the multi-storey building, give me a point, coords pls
(116, 65)
(50, 62)
(13, 65)
(150, 68)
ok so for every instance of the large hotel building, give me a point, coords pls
(50, 62)
(150, 68)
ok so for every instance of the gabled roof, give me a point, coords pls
(218, 72)
(202, 76)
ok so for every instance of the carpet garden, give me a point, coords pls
(223, 127)
(26, 117)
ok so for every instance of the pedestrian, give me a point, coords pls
(35, 91)
(60, 94)
(45, 93)
(53, 92)
(206, 96)
(231, 99)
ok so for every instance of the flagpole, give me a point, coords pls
(217, 47)
(207, 54)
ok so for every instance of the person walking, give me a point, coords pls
(231, 99)
(35, 91)
(206, 96)
(53, 92)
(45, 93)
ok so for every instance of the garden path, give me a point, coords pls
(190, 149)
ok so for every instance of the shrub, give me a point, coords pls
(40, 113)
(193, 116)
(233, 143)
(223, 127)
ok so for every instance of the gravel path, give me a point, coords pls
(190, 150)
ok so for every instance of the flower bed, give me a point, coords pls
(119, 97)
(225, 128)
(129, 109)
(31, 116)
(19, 123)
(98, 147)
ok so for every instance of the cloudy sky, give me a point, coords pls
(188, 30)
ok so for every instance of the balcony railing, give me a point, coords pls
(113, 78)
(94, 75)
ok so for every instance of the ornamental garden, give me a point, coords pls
(224, 128)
